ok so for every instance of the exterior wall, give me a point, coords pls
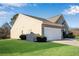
(63, 22)
(53, 33)
(25, 25)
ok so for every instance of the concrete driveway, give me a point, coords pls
(72, 42)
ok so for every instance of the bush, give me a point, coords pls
(69, 35)
(22, 37)
(41, 38)
(44, 39)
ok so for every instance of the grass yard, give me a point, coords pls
(77, 37)
(26, 48)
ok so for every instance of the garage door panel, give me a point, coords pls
(52, 33)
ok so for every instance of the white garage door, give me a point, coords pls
(52, 33)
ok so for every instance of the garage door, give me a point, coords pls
(52, 33)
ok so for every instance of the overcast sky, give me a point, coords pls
(44, 10)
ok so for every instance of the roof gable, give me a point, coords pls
(45, 21)
(55, 18)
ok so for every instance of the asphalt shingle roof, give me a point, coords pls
(45, 21)
(54, 19)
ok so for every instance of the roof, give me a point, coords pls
(45, 21)
(54, 19)
(39, 18)
(53, 24)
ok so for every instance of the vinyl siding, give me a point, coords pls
(25, 24)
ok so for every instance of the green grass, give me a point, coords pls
(77, 37)
(26, 48)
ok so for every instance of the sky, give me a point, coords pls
(70, 11)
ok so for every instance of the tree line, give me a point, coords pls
(6, 27)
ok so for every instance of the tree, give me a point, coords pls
(5, 31)
(1, 33)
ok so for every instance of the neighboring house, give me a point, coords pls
(25, 24)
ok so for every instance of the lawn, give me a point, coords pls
(77, 37)
(26, 48)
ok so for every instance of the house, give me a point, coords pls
(25, 24)
(59, 19)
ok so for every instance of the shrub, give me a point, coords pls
(41, 38)
(44, 39)
(38, 39)
(69, 35)
(22, 37)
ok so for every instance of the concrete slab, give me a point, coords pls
(72, 42)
